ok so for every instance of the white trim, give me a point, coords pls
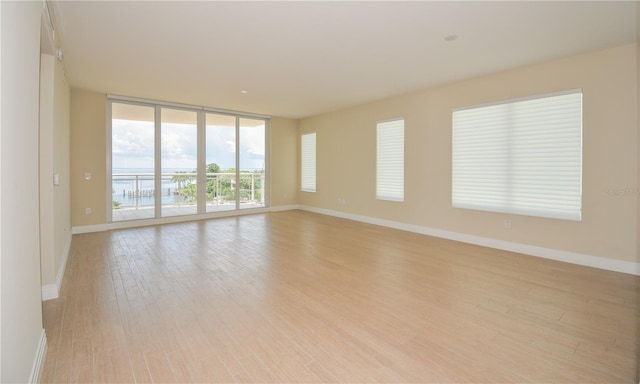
(517, 99)
(177, 219)
(186, 106)
(63, 263)
(89, 228)
(628, 267)
(201, 113)
(157, 160)
(237, 181)
(281, 208)
(49, 292)
(266, 189)
(38, 362)
(165, 220)
(108, 174)
(52, 291)
(390, 120)
(201, 161)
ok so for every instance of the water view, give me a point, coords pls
(226, 142)
(135, 188)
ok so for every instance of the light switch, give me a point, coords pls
(56, 179)
(87, 176)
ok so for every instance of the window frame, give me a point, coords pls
(201, 113)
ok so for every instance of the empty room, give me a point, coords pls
(319, 192)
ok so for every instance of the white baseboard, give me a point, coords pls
(629, 267)
(547, 253)
(52, 291)
(38, 362)
(63, 263)
(166, 220)
(89, 229)
(49, 292)
(281, 208)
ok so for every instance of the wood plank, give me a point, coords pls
(301, 297)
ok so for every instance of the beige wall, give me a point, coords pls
(638, 116)
(283, 168)
(20, 290)
(62, 167)
(55, 219)
(88, 154)
(346, 156)
(47, 256)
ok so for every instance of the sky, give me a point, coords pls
(133, 146)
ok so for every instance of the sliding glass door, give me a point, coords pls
(173, 161)
(220, 162)
(179, 162)
(132, 162)
(252, 163)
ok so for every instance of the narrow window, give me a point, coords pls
(308, 176)
(390, 160)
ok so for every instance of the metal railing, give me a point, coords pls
(137, 190)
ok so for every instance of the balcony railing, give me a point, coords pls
(179, 189)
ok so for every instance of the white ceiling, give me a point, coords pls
(297, 59)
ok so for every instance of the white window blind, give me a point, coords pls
(308, 148)
(390, 160)
(521, 157)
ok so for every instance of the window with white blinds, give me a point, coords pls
(390, 160)
(308, 149)
(521, 157)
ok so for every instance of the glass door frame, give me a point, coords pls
(201, 159)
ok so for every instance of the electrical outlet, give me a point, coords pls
(87, 176)
(87, 211)
(507, 224)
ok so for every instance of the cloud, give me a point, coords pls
(252, 140)
(133, 145)
(179, 146)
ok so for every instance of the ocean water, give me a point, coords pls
(124, 188)
(134, 187)
(124, 192)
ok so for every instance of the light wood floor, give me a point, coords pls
(300, 297)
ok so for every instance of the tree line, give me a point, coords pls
(219, 187)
